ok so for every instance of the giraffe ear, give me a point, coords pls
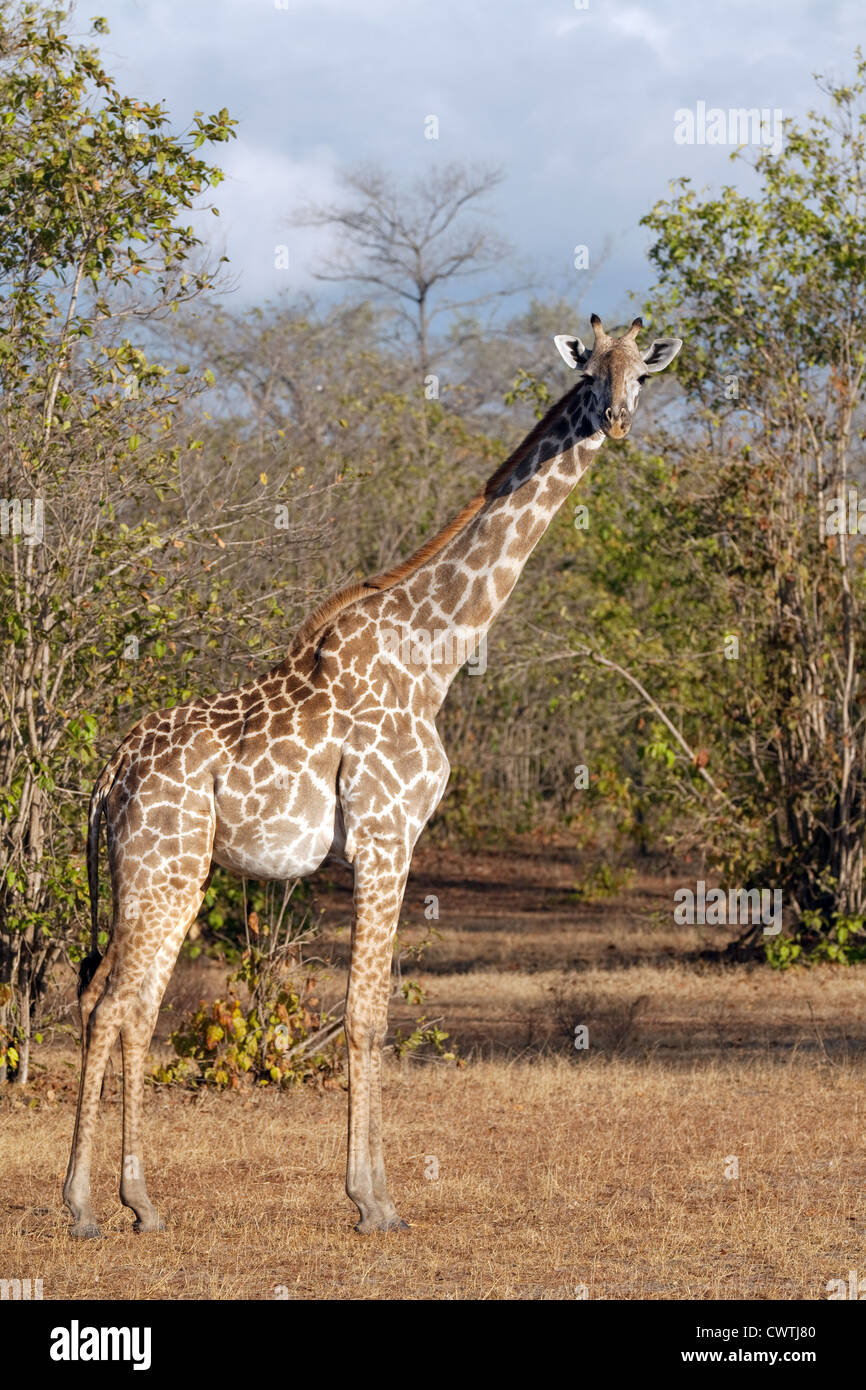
(661, 353)
(572, 350)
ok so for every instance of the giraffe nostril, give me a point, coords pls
(608, 415)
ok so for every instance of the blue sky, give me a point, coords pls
(577, 104)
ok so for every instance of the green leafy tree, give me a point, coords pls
(99, 519)
(768, 291)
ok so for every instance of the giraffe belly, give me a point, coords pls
(278, 852)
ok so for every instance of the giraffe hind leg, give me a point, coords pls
(142, 928)
(76, 1188)
(101, 1020)
(135, 1035)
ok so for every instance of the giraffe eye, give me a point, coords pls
(642, 379)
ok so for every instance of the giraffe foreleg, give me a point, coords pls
(380, 878)
(390, 1217)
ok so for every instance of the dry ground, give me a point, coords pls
(557, 1168)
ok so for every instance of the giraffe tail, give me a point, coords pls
(89, 965)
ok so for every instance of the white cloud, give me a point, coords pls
(260, 191)
(577, 104)
(628, 21)
(634, 23)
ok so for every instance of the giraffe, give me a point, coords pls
(332, 755)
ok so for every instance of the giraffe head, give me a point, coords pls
(615, 369)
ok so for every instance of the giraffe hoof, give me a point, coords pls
(149, 1227)
(393, 1223)
(85, 1230)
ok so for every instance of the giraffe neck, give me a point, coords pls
(441, 613)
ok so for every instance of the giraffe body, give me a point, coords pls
(334, 754)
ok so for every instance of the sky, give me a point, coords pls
(580, 101)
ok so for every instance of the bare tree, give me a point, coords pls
(410, 242)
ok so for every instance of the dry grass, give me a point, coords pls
(556, 1168)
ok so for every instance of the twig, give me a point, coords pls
(324, 1035)
(606, 661)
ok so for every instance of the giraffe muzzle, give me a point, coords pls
(616, 426)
